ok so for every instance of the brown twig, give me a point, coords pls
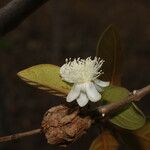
(15, 12)
(104, 110)
(136, 95)
(19, 135)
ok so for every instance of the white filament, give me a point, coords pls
(81, 70)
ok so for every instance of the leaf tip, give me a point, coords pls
(20, 74)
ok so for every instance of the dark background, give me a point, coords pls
(60, 29)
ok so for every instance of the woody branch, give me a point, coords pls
(15, 12)
(135, 96)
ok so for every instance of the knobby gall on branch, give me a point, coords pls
(62, 125)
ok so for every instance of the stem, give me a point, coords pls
(15, 12)
(136, 95)
(19, 135)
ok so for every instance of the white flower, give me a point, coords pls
(83, 73)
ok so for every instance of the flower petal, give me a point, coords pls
(101, 83)
(92, 93)
(98, 88)
(73, 94)
(82, 100)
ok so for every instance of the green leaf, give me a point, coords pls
(105, 141)
(131, 117)
(45, 77)
(109, 49)
(114, 93)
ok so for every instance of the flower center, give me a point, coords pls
(81, 70)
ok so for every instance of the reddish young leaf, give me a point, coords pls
(109, 49)
(105, 141)
(138, 139)
(143, 135)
